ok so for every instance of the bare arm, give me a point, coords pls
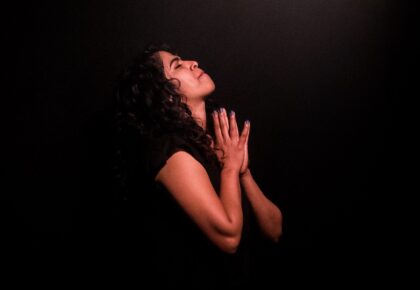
(268, 215)
(219, 217)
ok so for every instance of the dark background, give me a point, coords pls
(319, 80)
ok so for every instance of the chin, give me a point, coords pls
(212, 87)
(209, 92)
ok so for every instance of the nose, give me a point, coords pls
(194, 64)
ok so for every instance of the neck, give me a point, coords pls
(198, 111)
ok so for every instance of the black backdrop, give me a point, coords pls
(319, 81)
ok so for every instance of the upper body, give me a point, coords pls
(198, 192)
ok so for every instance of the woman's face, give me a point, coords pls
(190, 80)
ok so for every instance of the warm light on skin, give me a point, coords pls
(194, 86)
(191, 81)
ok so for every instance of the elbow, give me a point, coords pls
(230, 244)
(228, 238)
(277, 232)
(274, 234)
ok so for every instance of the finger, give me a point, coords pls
(249, 133)
(245, 133)
(217, 130)
(224, 124)
(233, 129)
(225, 117)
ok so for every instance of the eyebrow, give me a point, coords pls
(177, 58)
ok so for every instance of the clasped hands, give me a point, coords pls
(231, 148)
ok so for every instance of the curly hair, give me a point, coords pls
(148, 103)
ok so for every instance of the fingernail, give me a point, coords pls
(214, 113)
(232, 113)
(247, 123)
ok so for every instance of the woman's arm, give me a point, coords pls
(220, 218)
(269, 216)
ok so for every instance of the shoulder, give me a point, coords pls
(180, 163)
(165, 148)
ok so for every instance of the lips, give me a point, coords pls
(201, 74)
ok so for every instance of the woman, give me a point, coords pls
(184, 167)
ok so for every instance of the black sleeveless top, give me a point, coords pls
(166, 241)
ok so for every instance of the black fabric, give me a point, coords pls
(166, 241)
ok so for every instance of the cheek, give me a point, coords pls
(188, 85)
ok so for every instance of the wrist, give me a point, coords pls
(231, 170)
(245, 174)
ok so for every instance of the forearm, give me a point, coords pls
(268, 215)
(230, 196)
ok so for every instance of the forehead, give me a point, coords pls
(166, 57)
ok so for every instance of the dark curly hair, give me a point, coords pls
(147, 103)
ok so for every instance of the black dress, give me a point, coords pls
(166, 242)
